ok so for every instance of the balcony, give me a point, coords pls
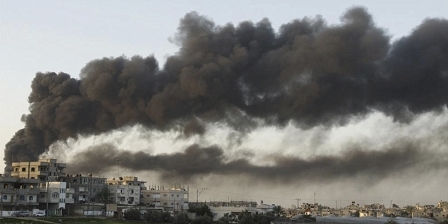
(70, 200)
(70, 191)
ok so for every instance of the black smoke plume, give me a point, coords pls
(196, 162)
(308, 72)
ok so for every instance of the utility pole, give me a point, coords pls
(198, 192)
(46, 197)
(1, 204)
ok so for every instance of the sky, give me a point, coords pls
(63, 36)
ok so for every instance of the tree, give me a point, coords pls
(180, 218)
(228, 219)
(132, 214)
(278, 210)
(153, 216)
(104, 196)
(247, 218)
(202, 220)
(201, 211)
(263, 219)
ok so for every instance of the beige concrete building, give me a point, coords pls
(174, 198)
(42, 170)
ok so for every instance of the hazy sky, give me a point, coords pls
(62, 36)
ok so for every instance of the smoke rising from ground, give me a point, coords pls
(309, 73)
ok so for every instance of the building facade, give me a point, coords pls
(126, 190)
(42, 170)
(18, 193)
(174, 198)
(55, 197)
(86, 187)
(53, 192)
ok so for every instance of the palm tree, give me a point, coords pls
(278, 210)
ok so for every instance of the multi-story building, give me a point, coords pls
(18, 193)
(55, 196)
(53, 191)
(44, 170)
(86, 187)
(126, 190)
(174, 198)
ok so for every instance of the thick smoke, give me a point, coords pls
(196, 162)
(308, 72)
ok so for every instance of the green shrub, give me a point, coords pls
(132, 214)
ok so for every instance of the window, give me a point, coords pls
(17, 170)
(23, 169)
(21, 197)
(30, 198)
(5, 197)
(33, 169)
(74, 180)
(55, 195)
(5, 186)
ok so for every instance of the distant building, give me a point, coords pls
(126, 190)
(265, 208)
(50, 176)
(86, 187)
(42, 170)
(231, 208)
(55, 197)
(174, 198)
(18, 193)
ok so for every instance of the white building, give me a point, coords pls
(55, 196)
(265, 208)
(233, 208)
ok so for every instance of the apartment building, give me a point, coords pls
(18, 193)
(86, 187)
(174, 198)
(126, 190)
(43, 170)
(55, 197)
(54, 193)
